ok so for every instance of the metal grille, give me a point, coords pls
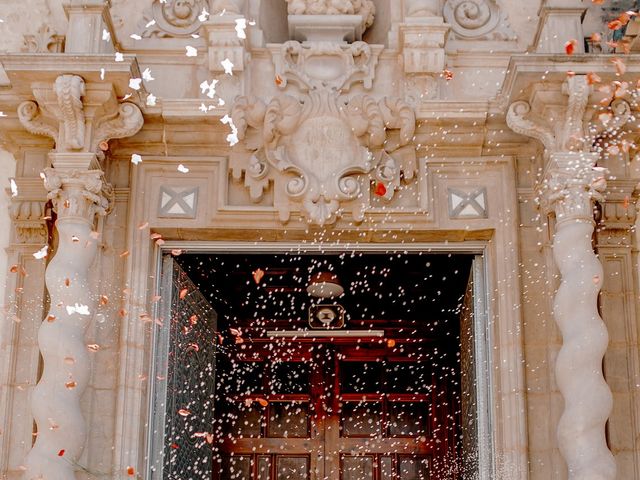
(190, 381)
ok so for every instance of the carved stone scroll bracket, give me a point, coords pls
(325, 66)
(569, 134)
(323, 153)
(79, 117)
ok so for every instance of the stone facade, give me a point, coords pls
(129, 127)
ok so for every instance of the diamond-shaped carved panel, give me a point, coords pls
(178, 202)
(468, 203)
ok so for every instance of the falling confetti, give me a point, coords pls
(183, 169)
(42, 253)
(136, 158)
(191, 51)
(227, 65)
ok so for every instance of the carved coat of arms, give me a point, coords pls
(323, 150)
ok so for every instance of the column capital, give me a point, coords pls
(79, 116)
(571, 183)
(76, 187)
(620, 205)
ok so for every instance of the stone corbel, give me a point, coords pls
(79, 117)
(568, 135)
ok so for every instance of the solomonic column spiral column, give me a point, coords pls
(570, 188)
(571, 185)
(79, 117)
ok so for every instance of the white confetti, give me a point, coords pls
(136, 159)
(2, 114)
(183, 169)
(102, 74)
(127, 96)
(151, 100)
(150, 24)
(204, 15)
(195, 35)
(14, 187)
(241, 25)
(191, 51)
(232, 138)
(79, 309)
(203, 108)
(220, 102)
(227, 65)
(135, 83)
(146, 75)
(42, 253)
(135, 36)
(106, 36)
(119, 57)
(209, 88)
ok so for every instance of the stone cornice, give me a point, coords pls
(527, 70)
(23, 69)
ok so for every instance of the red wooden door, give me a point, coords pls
(332, 412)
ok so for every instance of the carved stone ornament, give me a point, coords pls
(326, 65)
(422, 8)
(568, 135)
(366, 8)
(477, 19)
(59, 113)
(322, 152)
(27, 216)
(44, 41)
(78, 193)
(173, 18)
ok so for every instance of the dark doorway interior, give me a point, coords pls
(361, 406)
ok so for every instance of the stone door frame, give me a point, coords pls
(489, 402)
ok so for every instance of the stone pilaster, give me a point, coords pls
(81, 118)
(571, 185)
(616, 242)
(560, 21)
(88, 20)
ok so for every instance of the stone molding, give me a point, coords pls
(364, 8)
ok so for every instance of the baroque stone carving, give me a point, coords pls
(65, 121)
(44, 41)
(30, 225)
(366, 8)
(326, 65)
(324, 151)
(78, 193)
(173, 18)
(477, 19)
(568, 135)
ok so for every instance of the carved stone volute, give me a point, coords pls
(78, 117)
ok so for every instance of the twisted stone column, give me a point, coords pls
(81, 118)
(78, 194)
(570, 187)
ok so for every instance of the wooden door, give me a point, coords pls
(330, 412)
